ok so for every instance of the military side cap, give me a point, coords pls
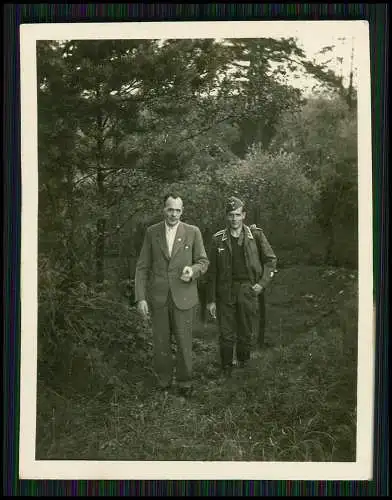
(233, 203)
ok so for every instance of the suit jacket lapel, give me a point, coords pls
(179, 239)
(162, 240)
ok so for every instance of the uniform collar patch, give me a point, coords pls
(247, 231)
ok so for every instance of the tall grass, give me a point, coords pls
(295, 402)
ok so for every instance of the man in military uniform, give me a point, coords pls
(242, 263)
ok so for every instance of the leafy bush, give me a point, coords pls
(83, 329)
(276, 186)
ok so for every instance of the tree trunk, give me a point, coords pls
(350, 87)
(329, 233)
(100, 251)
(101, 222)
(71, 225)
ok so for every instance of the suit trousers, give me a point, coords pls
(237, 323)
(170, 323)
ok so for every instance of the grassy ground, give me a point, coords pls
(294, 402)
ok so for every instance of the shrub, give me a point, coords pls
(82, 330)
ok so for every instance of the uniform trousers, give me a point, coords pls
(237, 317)
(170, 323)
(262, 319)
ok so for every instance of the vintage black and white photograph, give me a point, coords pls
(197, 288)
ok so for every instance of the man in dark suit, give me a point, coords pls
(242, 263)
(172, 258)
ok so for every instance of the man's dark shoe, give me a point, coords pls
(164, 388)
(186, 392)
(227, 370)
(265, 345)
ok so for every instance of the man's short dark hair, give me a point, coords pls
(173, 195)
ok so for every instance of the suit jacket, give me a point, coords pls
(260, 262)
(157, 273)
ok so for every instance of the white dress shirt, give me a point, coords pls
(170, 236)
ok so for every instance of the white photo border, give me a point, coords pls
(29, 467)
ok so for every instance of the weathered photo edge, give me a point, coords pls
(30, 468)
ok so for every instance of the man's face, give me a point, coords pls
(236, 218)
(172, 211)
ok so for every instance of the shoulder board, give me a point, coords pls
(218, 233)
(255, 228)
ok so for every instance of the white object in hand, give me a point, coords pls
(257, 288)
(212, 309)
(143, 308)
(187, 273)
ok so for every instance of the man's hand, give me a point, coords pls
(142, 307)
(211, 307)
(187, 274)
(257, 289)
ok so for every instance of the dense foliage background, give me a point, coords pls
(123, 121)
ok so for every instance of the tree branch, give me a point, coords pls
(88, 176)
